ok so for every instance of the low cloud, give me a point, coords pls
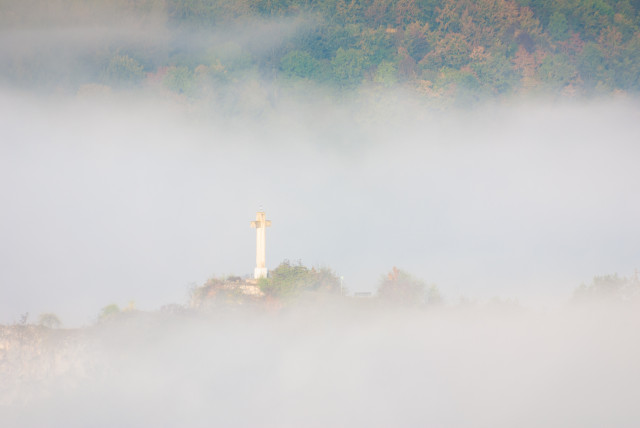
(134, 197)
(339, 366)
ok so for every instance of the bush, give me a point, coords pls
(401, 288)
(124, 71)
(349, 66)
(289, 280)
(108, 312)
(49, 320)
(610, 288)
(386, 74)
(299, 64)
(180, 80)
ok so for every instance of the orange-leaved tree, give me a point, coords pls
(402, 288)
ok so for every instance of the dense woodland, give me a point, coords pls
(459, 50)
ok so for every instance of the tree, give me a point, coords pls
(556, 71)
(206, 13)
(181, 80)
(108, 312)
(349, 66)
(593, 15)
(378, 12)
(401, 288)
(49, 320)
(433, 296)
(610, 288)
(378, 45)
(592, 65)
(495, 73)
(627, 65)
(415, 40)
(406, 11)
(558, 27)
(452, 51)
(299, 64)
(221, 292)
(124, 71)
(462, 85)
(386, 74)
(290, 280)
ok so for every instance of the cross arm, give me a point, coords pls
(258, 224)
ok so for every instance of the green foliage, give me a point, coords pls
(386, 74)
(476, 44)
(628, 66)
(180, 80)
(558, 26)
(206, 13)
(625, 21)
(593, 16)
(496, 73)
(557, 71)
(124, 71)
(349, 66)
(377, 44)
(592, 65)
(415, 41)
(290, 280)
(223, 292)
(610, 288)
(462, 79)
(232, 57)
(49, 320)
(108, 312)
(433, 296)
(299, 64)
(453, 51)
(463, 86)
(399, 287)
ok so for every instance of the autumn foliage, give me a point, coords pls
(449, 49)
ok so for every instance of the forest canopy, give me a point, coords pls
(452, 49)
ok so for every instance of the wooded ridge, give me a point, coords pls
(460, 50)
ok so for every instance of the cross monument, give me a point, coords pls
(260, 225)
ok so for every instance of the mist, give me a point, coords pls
(126, 197)
(130, 198)
(133, 193)
(332, 365)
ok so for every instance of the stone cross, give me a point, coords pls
(260, 225)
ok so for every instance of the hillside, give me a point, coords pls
(459, 50)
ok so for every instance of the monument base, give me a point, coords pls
(260, 272)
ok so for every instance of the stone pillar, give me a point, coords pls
(261, 225)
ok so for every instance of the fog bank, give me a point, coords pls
(338, 366)
(134, 196)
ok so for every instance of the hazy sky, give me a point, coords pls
(129, 197)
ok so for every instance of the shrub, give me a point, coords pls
(49, 320)
(401, 288)
(124, 71)
(288, 280)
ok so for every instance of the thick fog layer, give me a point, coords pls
(120, 197)
(345, 366)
